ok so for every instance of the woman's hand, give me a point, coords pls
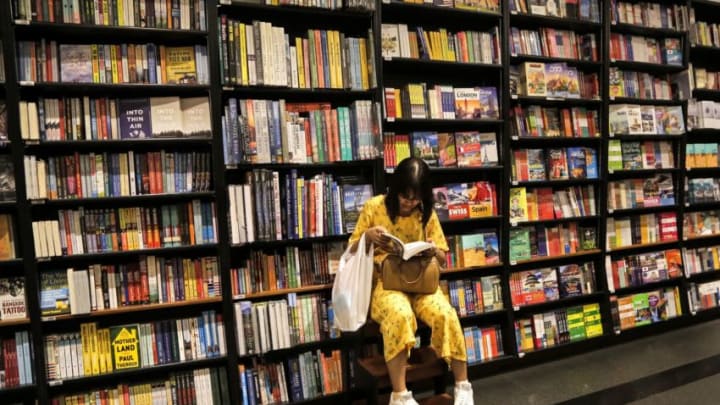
(376, 236)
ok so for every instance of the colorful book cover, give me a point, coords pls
(135, 120)
(492, 248)
(647, 116)
(556, 80)
(529, 288)
(390, 44)
(473, 247)
(467, 103)
(518, 204)
(440, 199)
(577, 163)
(673, 51)
(458, 201)
(447, 156)
(550, 284)
(76, 63)
(425, 147)
(536, 165)
(54, 293)
(12, 298)
(354, 197)
(7, 179)
(673, 122)
(571, 281)
(532, 78)
(520, 244)
(125, 347)
(481, 197)
(488, 149)
(557, 164)
(489, 107)
(591, 163)
(196, 117)
(180, 65)
(469, 149)
(573, 83)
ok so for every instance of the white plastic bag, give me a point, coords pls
(352, 288)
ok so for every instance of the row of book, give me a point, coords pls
(632, 119)
(48, 61)
(588, 10)
(149, 280)
(184, 15)
(530, 242)
(643, 268)
(204, 385)
(86, 118)
(655, 191)
(462, 46)
(95, 351)
(704, 296)
(473, 250)
(702, 190)
(536, 286)
(16, 360)
(290, 268)
(703, 114)
(640, 155)
(260, 53)
(553, 43)
(309, 375)
(701, 223)
(265, 131)
(554, 80)
(279, 324)
(701, 155)
(465, 200)
(704, 78)
(418, 101)
(545, 203)
(12, 299)
(635, 48)
(7, 237)
(122, 229)
(641, 230)
(263, 210)
(474, 296)
(554, 164)
(444, 149)
(701, 260)
(705, 34)
(645, 308)
(483, 344)
(651, 15)
(536, 121)
(97, 175)
(329, 4)
(642, 85)
(565, 325)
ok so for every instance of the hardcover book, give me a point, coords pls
(492, 248)
(196, 117)
(76, 63)
(54, 293)
(425, 147)
(440, 198)
(473, 247)
(7, 179)
(12, 298)
(167, 118)
(135, 118)
(354, 197)
(180, 65)
(125, 347)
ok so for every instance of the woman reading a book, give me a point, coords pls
(406, 212)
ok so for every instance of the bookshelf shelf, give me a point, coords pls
(396, 10)
(707, 94)
(293, 11)
(175, 250)
(546, 183)
(469, 221)
(292, 94)
(531, 20)
(143, 372)
(495, 361)
(644, 101)
(413, 63)
(268, 244)
(14, 323)
(7, 204)
(549, 351)
(114, 144)
(462, 270)
(703, 51)
(703, 205)
(71, 202)
(403, 123)
(647, 67)
(298, 348)
(291, 166)
(124, 88)
(645, 31)
(692, 239)
(557, 101)
(702, 171)
(704, 276)
(559, 303)
(641, 210)
(284, 291)
(556, 140)
(449, 170)
(10, 263)
(640, 137)
(645, 287)
(514, 224)
(704, 131)
(19, 390)
(484, 316)
(648, 246)
(641, 172)
(583, 64)
(585, 253)
(132, 309)
(64, 30)
(663, 325)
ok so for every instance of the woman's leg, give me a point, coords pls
(392, 310)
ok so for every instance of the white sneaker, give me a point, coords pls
(402, 398)
(464, 394)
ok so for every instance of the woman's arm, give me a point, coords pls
(435, 234)
(365, 225)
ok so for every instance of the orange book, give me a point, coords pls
(567, 123)
(191, 224)
(156, 228)
(319, 59)
(163, 74)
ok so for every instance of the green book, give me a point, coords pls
(615, 157)
(519, 244)
(642, 309)
(593, 321)
(576, 323)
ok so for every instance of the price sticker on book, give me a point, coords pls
(521, 355)
(516, 307)
(610, 210)
(27, 83)
(514, 182)
(617, 332)
(513, 223)
(55, 383)
(22, 22)
(515, 138)
(513, 262)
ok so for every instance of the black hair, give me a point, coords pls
(411, 177)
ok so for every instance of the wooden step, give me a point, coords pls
(423, 364)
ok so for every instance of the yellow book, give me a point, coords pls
(444, 44)
(106, 349)
(106, 16)
(644, 230)
(95, 63)
(180, 65)
(532, 207)
(113, 63)
(518, 204)
(398, 108)
(363, 64)
(186, 280)
(86, 349)
(336, 68)
(120, 14)
(124, 174)
(429, 44)
(92, 331)
(243, 55)
(300, 63)
(473, 250)
(716, 258)
(101, 353)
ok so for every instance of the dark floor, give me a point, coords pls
(677, 367)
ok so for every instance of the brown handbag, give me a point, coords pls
(418, 275)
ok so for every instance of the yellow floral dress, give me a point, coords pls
(395, 311)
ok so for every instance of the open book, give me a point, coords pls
(408, 250)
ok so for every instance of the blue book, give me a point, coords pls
(591, 163)
(134, 118)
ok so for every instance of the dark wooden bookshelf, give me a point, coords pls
(545, 141)
(268, 244)
(177, 250)
(549, 352)
(648, 67)
(457, 169)
(145, 89)
(707, 94)
(634, 29)
(704, 276)
(583, 218)
(142, 198)
(298, 166)
(523, 20)
(483, 317)
(396, 9)
(579, 63)
(553, 183)
(640, 172)
(131, 309)
(543, 259)
(641, 137)
(293, 94)
(25, 29)
(281, 292)
(14, 323)
(470, 221)
(293, 11)
(558, 303)
(114, 144)
(442, 65)
(642, 210)
(645, 246)
(565, 101)
(464, 270)
(645, 101)
(647, 287)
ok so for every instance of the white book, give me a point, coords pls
(234, 220)
(24, 120)
(249, 209)
(33, 122)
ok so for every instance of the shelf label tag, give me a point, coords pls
(516, 307)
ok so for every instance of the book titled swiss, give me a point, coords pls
(12, 298)
(354, 197)
(134, 118)
(76, 64)
(125, 348)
